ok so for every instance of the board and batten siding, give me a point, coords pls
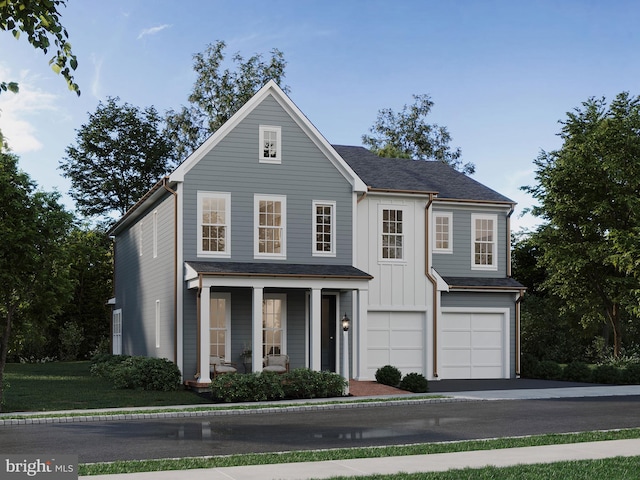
(304, 175)
(395, 283)
(143, 279)
(458, 263)
(483, 302)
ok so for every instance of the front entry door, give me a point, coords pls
(328, 347)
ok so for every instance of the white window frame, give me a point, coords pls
(116, 332)
(382, 234)
(158, 318)
(256, 226)
(283, 321)
(270, 129)
(449, 232)
(314, 226)
(155, 234)
(226, 197)
(227, 314)
(493, 243)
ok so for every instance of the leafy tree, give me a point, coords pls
(219, 93)
(408, 135)
(34, 275)
(588, 195)
(120, 154)
(40, 20)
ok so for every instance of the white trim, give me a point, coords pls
(141, 237)
(226, 197)
(278, 141)
(314, 225)
(226, 296)
(271, 88)
(116, 332)
(155, 234)
(403, 235)
(283, 320)
(449, 217)
(257, 198)
(158, 323)
(494, 245)
(179, 279)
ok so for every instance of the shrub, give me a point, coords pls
(577, 372)
(305, 383)
(606, 374)
(631, 374)
(71, 338)
(146, 373)
(549, 370)
(529, 366)
(414, 382)
(254, 387)
(388, 375)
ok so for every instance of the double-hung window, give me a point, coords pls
(324, 221)
(274, 315)
(484, 246)
(270, 144)
(214, 224)
(220, 325)
(442, 236)
(392, 236)
(270, 226)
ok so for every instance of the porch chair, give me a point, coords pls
(276, 363)
(219, 366)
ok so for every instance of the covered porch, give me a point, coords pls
(288, 309)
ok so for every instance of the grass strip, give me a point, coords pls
(349, 453)
(618, 468)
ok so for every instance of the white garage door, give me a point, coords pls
(395, 338)
(472, 345)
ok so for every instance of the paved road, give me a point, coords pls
(299, 430)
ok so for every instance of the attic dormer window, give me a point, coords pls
(270, 144)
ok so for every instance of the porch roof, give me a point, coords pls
(483, 283)
(242, 269)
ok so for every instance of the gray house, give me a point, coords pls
(267, 236)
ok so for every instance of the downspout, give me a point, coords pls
(434, 283)
(165, 181)
(518, 353)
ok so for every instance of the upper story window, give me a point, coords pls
(442, 232)
(484, 242)
(214, 224)
(270, 226)
(324, 238)
(270, 144)
(392, 237)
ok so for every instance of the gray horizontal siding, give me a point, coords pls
(458, 263)
(304, 175)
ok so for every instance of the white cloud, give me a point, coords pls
(152, 30)
(96, 85)
(19, 113)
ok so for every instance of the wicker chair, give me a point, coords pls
(276, 363)
(219, 366)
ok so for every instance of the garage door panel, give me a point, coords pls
(472, 345)
(396, 338)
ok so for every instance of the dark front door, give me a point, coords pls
(328, 347)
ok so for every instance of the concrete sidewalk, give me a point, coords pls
(409, 464)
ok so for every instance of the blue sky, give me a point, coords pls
(501, 73)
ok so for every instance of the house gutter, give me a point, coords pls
(198, 322)
(434, 283)
(518, 353)
(165, 182)
(511, 210)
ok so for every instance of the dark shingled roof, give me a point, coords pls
(415, 175)
(483, 282)
(278, 269)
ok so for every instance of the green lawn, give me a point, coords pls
(69, 386)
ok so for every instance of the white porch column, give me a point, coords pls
(360, 336)
(205, 344)
(256, 330)
(315, 358)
